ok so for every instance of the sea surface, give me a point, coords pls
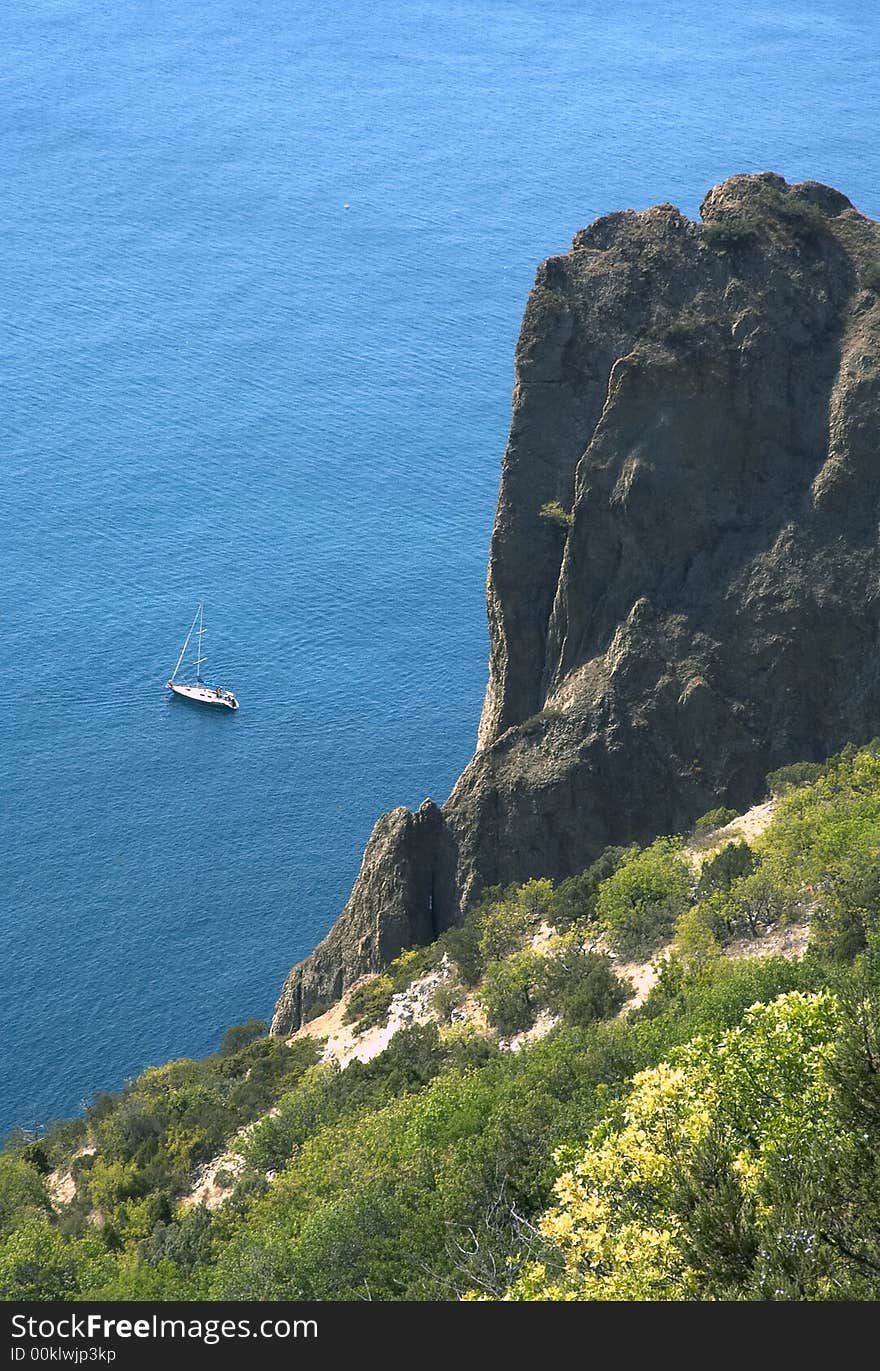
(262, 267)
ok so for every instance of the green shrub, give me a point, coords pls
(500, 923)
(446, 999)
(804, 218)
(639, 904)
(848, 915)
(416, 1174)
(462, 944)
(751, 903)
(510, 992)
(697, 996)
(504, 928)
(370, 1002)
(37, 1264)
(697, 933)
(300, 1113)
(554, 513)
(731, 233)
(726, 866)
(580, 986)
(185, 1241)
(61, 1139)
(714, 818)
(241, 1034)
(575, 898)
(838, 935)
(787, 778)
(21, 1192)
(821, 850)
(537, 722)
(536, 898)
(411, 965)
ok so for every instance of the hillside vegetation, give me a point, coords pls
(717, 1140)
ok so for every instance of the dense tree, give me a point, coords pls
(580, 985)
(639, 904)
(575, 899)
(241, 1034)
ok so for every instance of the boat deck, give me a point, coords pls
(205, 695)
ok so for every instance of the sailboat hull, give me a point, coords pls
(204, 695)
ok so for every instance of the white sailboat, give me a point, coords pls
(201, 691)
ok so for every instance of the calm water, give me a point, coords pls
(263, 264)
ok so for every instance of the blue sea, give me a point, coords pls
(263, 265)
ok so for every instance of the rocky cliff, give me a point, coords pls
(702, 400)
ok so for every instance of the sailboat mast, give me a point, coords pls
(199, 655)
(185, 646)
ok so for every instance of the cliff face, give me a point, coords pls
(704, 399)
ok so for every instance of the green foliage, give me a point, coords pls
(730, 864)
(370, 1002)
(500, 923)
(805, 219)
(714, 818)
(185, 1241)
(463, 946)
(580, 986)
(682, 1175)
(510, 992)
(148, 1139)
(325, 1094)
(411, 1176)
(504, 928)
(382, 1203)
(21, 1191)
(36, 1263)
(411, 964)
(297, 1115)
(846, 919)
(825, 838)
(537, 722)
(698, 996)
(554, 513)
(755, 901)
(790, 777)
(535, 897)
(640, 903)
(447, 998)
(698, 933)
(716, 1213)
(870, 278)
(241, 1034)
(731, 233)
(60, 1140)
(575, 899)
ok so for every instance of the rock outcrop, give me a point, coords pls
(403, 897)
(702, 401)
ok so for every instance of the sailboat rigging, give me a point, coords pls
(201, 691)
